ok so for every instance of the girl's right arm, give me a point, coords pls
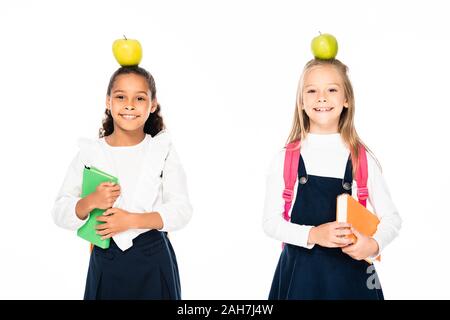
(70, 210)
(274, 224)
(64, 210)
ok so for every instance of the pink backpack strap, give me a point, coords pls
(290, 174)
(361, 176)
(361, 179)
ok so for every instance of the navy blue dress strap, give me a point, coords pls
(302, 174)
(348, 176)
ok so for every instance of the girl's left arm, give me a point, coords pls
(383, 206)
(174, 208)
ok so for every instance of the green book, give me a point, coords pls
(92, 177)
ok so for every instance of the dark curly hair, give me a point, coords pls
(154, 123)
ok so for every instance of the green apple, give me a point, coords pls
(128, 52)
(324, 46)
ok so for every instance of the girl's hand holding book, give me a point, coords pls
(331, 235)
(105, 195)
(363, 248)
(115, 220)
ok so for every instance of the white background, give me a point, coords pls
(226, 74)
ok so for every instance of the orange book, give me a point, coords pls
(351, 211)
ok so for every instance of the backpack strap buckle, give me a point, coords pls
(288, 195)
(363, 193)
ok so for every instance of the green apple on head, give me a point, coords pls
(324, 46)
(128, 52)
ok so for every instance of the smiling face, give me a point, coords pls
(130, 102)
(323, 98)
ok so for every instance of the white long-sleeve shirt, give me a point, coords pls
(326, 155)
(151, 179)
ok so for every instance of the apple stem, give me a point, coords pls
(125, 37)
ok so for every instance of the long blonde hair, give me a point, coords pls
(301, 125)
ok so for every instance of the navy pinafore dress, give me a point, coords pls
(321, 273)
(147, 270)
